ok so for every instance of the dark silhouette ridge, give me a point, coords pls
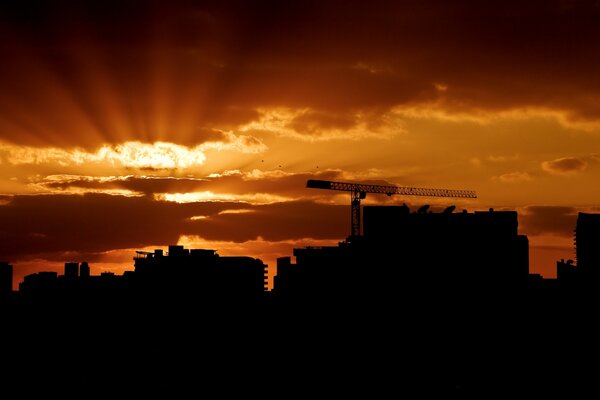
(434, 303)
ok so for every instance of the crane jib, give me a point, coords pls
(359, 191)
(389, 189)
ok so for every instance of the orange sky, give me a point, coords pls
(130, 125)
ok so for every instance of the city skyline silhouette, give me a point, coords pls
(376, 289)
(299, 199)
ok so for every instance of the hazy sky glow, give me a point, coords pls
(128, 125)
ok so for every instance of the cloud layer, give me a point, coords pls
(37, 226)
(89, 74)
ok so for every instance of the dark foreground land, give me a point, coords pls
(407, 346)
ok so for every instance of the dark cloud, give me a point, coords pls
(290, 186)
(146, 185)
(92, 223)
(32, 226)
(566, 165)
(293, 185)
(312, 123)
(103, 71)
(557, 220)
(277, 222)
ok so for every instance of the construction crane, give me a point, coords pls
(359, 192)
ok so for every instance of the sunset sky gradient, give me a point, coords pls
(131, 125)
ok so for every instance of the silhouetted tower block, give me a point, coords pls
(495, 227)
(197, 273)
(40, 284)
(6, 279)
(242, 275)
(587, 244)
(321, 269)
(466, 249)
(155, 273)
(84, 270)
(445, 254)
(519, 252)
(284, 276)
(71, 270)
(203, 256)
(147, 262)
(177, 251)
(144, 259)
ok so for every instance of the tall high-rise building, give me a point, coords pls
(71, 270)
(84, 270)
(587, 242)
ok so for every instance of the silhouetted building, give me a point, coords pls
(480, 248)
(6, 278)
(285, 273)
(39, 284)
(71, 270)
(579, 279)
(199, 272)
(177, 251)
(587, 244)
(318, 269)
(242, 275)
(84, 270)
(180, 274)
(447, 254)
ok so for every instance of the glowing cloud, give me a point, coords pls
(69, 178)
(207, 196)
(159, 155)
(133, 154)
(237, 211)
(514, 177)
(310, 125)
(241, 143)
(450, 112)
(61, 184)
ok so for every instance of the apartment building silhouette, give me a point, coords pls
(179, 274)
(443, 253)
